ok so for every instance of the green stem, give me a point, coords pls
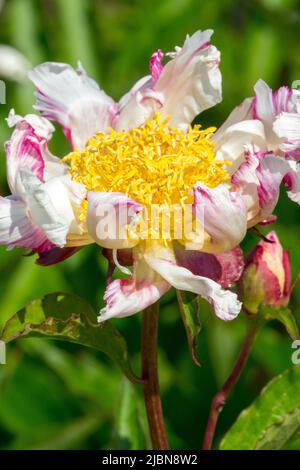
(220, 398)
(150, 376)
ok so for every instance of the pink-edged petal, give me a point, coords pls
(245, 181)
(224, 268)
(28, 148)
(272, 171)
(17, 229)
(225, 303)
(191, 82)
(263, 107)
(223, 214)
(25, 148)
(73, 100)
(287, 127)
(230, 141)
(258, 180)
(267, 105)
(125, 297)
(108, 217)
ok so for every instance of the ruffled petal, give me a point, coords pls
(27, 147)
(73, 100)
(187, 85)
(108, 216)
(230, 141)
(125, 297)
(287, 127)
(258, 180)
(223, 215)
(191, 82)
(225, 303)
(268, 105)
(17, 229)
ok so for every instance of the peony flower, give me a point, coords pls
(266, 279)
(136, 165)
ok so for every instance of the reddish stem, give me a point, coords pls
(150, 375)
(220, 398)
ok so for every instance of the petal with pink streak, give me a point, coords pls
(258, 180)
(108, 216)
(23, 149)
(287, 127)
(225, 303)
(17, 230)
(125, 297)
(73, 100)
(27, 148)
(191, 81)
(224, 216)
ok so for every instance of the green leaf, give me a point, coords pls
(189, 309)
(273, 419)
(131, 427)
(67, 317)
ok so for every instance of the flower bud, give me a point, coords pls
(267, 276)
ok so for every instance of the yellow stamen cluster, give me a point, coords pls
(153, 164)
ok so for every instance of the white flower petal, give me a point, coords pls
(17, 229)
(125, 297)
(230, 144)
(191, 82)
(42, 211)
(224, 216)
(138, 105)
(107, 218)
(287, 127)
(73, 100)
(225, 303)
(27, 147)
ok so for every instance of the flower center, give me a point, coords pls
(153, 164)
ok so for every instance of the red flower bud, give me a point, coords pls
(266, 279)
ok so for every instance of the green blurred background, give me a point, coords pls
(58, 396)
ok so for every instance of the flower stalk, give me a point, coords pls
(150, 376)
(222, 395)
